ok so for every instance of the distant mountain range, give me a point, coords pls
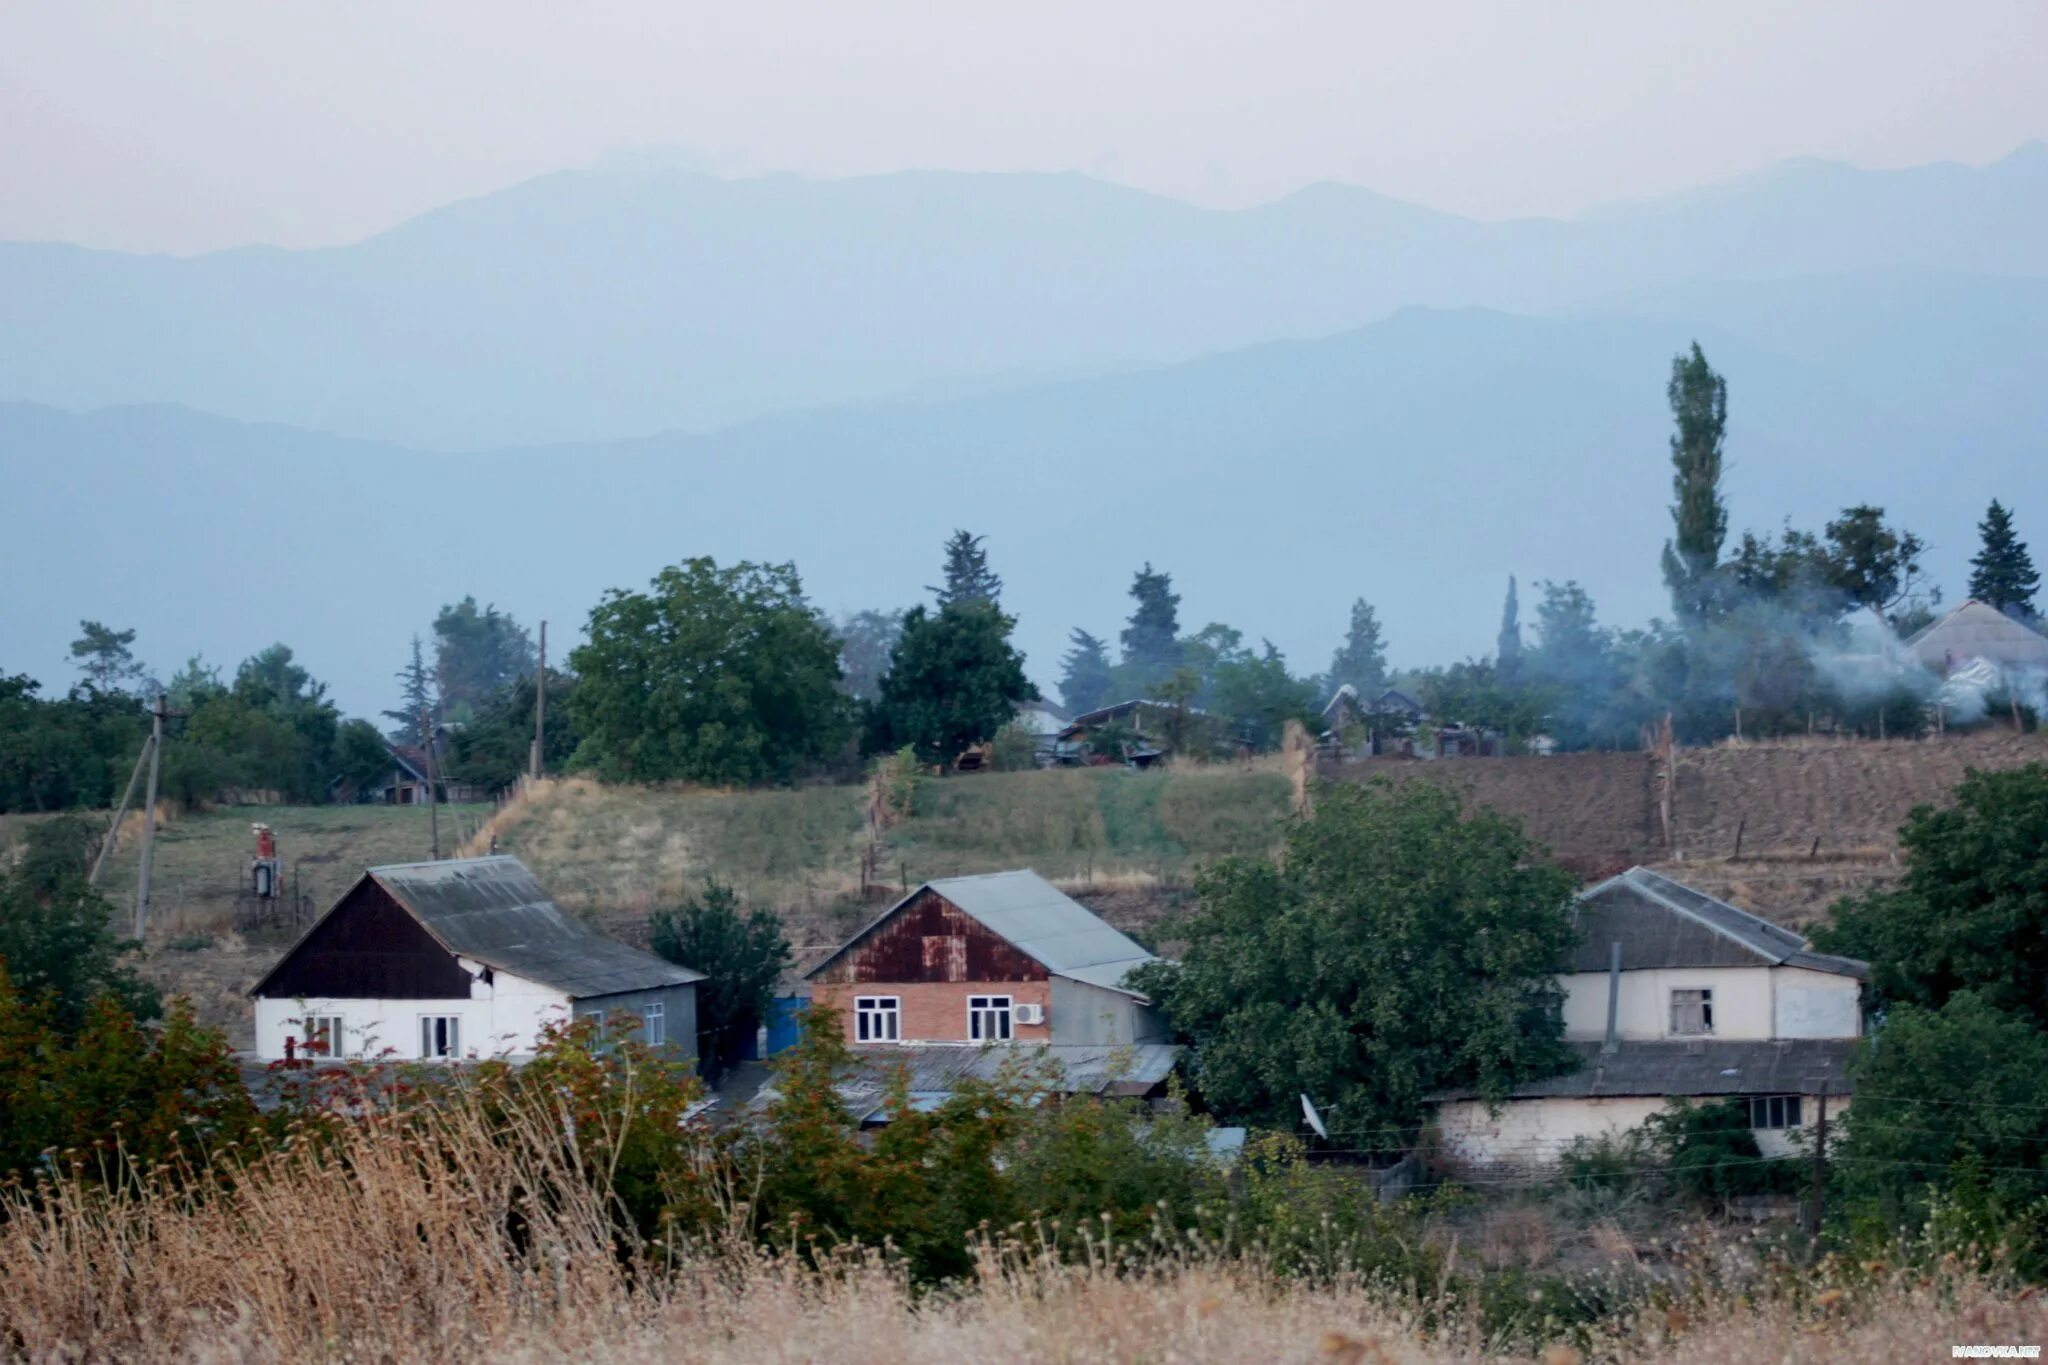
(624, 301)
(1417, 461)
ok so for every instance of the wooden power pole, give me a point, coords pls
(156, 749)
(540, 708)
(121, 813)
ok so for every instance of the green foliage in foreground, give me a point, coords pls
(742, 955)
(56, 940)
(1400, 947)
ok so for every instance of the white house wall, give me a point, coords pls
(500, 1019)
(1750, 1003)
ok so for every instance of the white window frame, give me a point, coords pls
(440, 1036)
(1705, 1016)
(991, 1018)
(654, 1024)
(878, 1018)
(1774, 1113)
(314, 1026)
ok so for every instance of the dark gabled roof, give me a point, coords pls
(1394, 699)
(493, 911)
(1035, 917)
(1793, 1066)
(1663, 923)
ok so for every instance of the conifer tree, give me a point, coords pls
(1699, 408)
(2002, 573)
(968, 576)
(1362, 660)
(1085, 678)
(415, 695)
(1152, 639)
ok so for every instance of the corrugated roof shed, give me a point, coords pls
(1662, 923)
(493, 911)
(933, 1073)
(1058, 932)
(1978, 630)
(1796, 1066)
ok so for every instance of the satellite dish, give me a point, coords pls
(1315, 1120)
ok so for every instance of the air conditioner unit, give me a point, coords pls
(1030, 1014)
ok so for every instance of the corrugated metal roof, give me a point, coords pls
(1978, 630)
(934, 1072)
(1663, 923)
(1795, 1066)
(1055, 930)
(494, 911)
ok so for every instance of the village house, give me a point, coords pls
(1977, 631)
(1149, 723)
(966, 975)
(461, 958)
(1673, 994)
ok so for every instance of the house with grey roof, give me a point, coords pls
(461, 958)
(1001, 958)
(1670, 993)
(1979, 631)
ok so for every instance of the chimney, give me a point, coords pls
(1613, 1043)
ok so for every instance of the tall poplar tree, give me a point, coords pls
(2002, 573)
(1699, 409)
(1507, 657)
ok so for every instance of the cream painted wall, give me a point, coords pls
(1534, 1134)
(500, 1019)
(1750, 1003)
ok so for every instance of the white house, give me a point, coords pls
(1671, 993)
(462, 958)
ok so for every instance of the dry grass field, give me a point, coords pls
(363, 1250)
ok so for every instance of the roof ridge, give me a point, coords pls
(1655, 894)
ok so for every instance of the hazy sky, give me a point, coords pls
(181, 127)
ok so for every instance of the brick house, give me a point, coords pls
(1000, 958)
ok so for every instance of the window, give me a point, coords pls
(440, 1035)
(323, 1035)
(877, 1018)
(654, 1024)
(1692, 1012)
(988, 1018)
(1774, 1111)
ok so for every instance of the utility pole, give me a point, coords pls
(1820, 1166)
(120, 814)
(156, 748)
(540, 707)
(433, 787)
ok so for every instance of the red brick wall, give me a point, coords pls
(936, 1011)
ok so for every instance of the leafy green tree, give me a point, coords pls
(1362, 659)
(954, 680)
(56, 932)
(1399, 947)
(104, 657)
(968, 576)
(1256, 696)
(477, 653)
(2002, 573)
(1940, 1091)
(1872, 565)
(1699, 409)
(1151, 640)
(866, 639)
(360, 754)
(496, 747)
(743, 955)
(714, 675)
(1474, 693)
(1086, 681)
(1507, 654)
(1583, 669)
(415, 698)
(1971, 911)
(68, 752)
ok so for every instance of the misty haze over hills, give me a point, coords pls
(1253, 401)
(627, 300)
